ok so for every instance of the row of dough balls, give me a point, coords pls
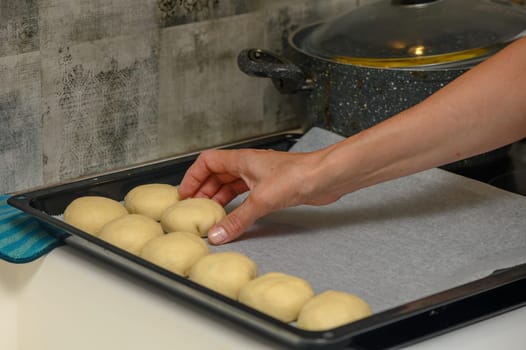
(150, 210)
(285, 297)
(282, 296)
(159, 202)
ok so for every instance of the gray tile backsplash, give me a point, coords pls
(20, 122)
(101, 105)
(175, 12)
(19, 27)
(203, 96)
(68, 22)
(89, 86)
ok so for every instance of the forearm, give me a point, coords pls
(480, 111)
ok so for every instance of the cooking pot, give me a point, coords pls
(377, 60)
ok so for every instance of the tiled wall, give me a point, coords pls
(88, 86)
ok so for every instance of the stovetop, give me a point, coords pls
(507, 172)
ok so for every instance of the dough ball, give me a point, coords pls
(196, 215)
(175, 251)
(331, 309)
(131, 232)
(277, 294)
(224, 272)
(90, 213)
(151, 199)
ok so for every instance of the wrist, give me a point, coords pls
(336, 171)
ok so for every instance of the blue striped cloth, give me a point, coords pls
(22, 237)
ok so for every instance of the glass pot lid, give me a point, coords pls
(406, 33)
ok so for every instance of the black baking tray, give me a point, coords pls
(405, 324)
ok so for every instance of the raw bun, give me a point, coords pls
(225, 272)
(331, 309)
(90, 213)
(277, 294)
(196, 215)
(151, 199)
(175, 251)
(131, 232)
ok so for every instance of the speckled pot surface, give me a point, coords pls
(346, 98)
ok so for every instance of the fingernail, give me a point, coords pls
(217, 235)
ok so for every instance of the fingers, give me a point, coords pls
(222, 175)
(208, 188)
(215, 175)
(229, 191)
(195, 176)
(206, 175)
(234, 224)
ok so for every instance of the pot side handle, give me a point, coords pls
(287, 77)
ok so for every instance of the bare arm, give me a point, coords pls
(480, 111)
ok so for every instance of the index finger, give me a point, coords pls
(217, 163)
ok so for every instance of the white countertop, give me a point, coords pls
(68, 300)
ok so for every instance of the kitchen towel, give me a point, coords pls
(22, 238)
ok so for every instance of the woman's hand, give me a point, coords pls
(275, 180)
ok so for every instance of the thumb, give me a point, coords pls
(234, 224)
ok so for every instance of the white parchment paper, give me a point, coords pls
(394, 242)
